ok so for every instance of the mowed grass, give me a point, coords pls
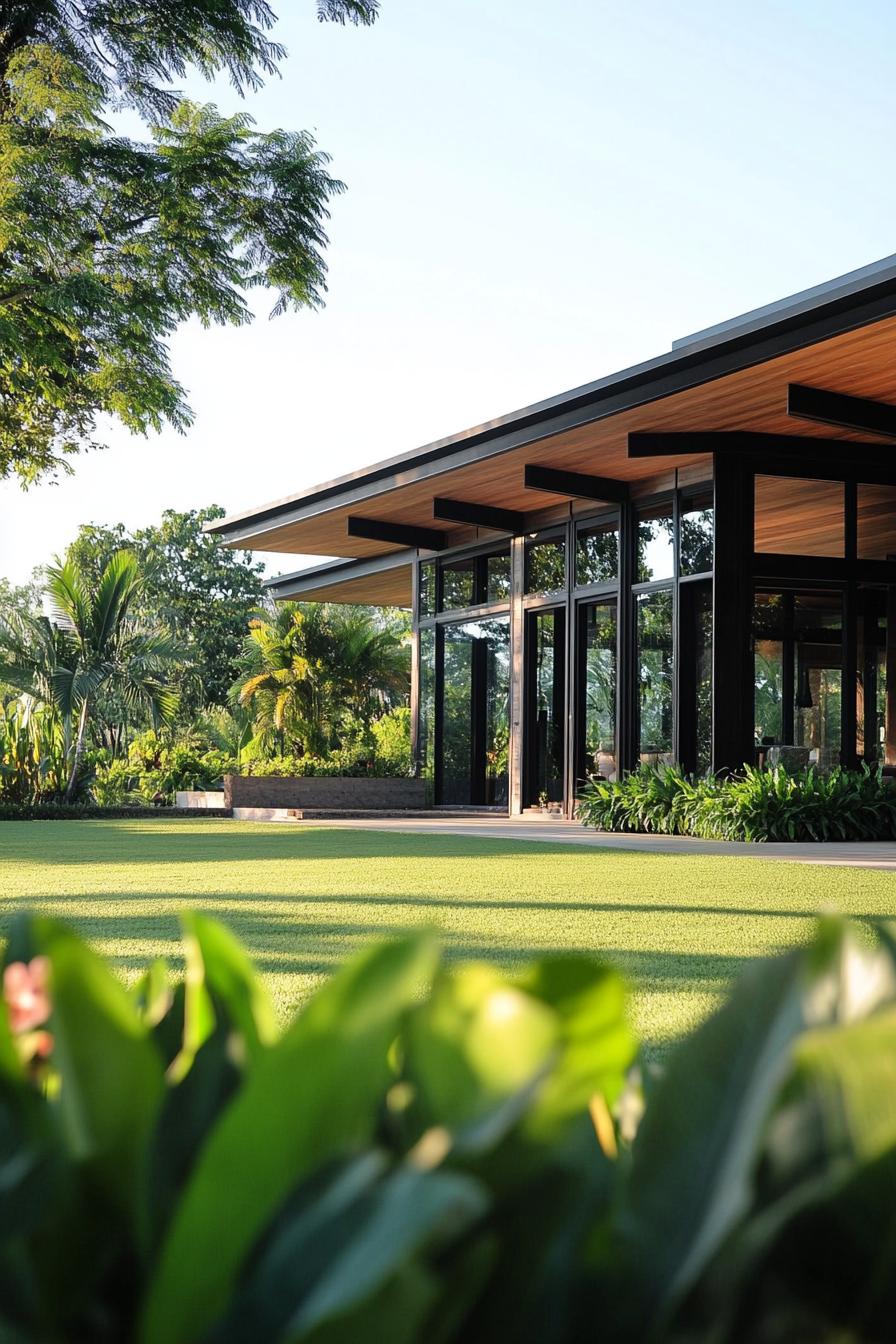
(302, 899)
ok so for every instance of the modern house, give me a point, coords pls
(691, 560)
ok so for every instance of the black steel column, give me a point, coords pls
(732, 608)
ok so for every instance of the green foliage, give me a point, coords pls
(91, 642)
(108, 242)
(767, 804)
(392, 736)
(34, 752)
(201, 591)
(315, 671)
(436, 1151)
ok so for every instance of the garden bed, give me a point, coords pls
(368, 793)
(768, 804)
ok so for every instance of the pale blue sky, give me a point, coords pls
(538, 194)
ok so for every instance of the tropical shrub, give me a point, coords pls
(766, 804)
(34, 752)
(441, 1152)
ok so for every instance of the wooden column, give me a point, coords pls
(517, 715)
(732, 607)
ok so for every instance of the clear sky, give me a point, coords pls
(539, 194)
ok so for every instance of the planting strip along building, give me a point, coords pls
(692, 560)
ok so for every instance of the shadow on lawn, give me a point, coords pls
(312, 947)
(100, 842)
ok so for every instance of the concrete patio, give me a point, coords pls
(867, 854)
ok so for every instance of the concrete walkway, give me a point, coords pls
(862, 854)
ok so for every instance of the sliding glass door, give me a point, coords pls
(545, 727)
(596, 690)
(474, 705)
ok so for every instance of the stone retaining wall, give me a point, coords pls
(332, 792)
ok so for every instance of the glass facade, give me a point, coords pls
(546, 719)
(546, 565)
(655, 553)
(574, 640)
(597, 554)
(598, 645)
(798, 673)
(655, 642)
(696, 535)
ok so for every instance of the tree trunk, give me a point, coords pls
(79, 751)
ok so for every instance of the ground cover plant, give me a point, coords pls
(302, 899)
(442, 1152)
(766, 804)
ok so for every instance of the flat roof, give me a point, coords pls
(313, 521)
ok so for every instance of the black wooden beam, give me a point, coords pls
(836, 408)
(478, 515)
(575, 483)
(794, 448)
(399, 534)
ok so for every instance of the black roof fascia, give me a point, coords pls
(841, 305)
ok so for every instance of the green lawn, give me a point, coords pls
(302, 898)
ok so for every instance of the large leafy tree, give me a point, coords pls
(203, 592)
(109, 241)
(92, 642)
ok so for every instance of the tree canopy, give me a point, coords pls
(108, 242)
(203, 592)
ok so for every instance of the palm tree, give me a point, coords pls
(275, 675)
(89, 642)
(310, 666)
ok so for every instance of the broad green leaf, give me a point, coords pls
(152, 992)
(312, 1096)
(698, 1143)
(231, 979)
(341, 1240)
(597, 1042)
(111, 1078)
(476, 1043)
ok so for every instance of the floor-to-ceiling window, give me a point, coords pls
(464, 677)
(672, 599)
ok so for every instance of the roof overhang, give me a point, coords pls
(383, 580)
(840, 336)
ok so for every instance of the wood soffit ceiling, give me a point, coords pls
(860, 362)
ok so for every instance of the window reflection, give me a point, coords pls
(546, 634)
(427, 725)
(597, 554)
(696, 535)
(654, 630)
(498, 577)
(798, 661)
(427, 592)
(458, 584)
(598, 678)
(656, 550)
(475, 712)
(546, 566)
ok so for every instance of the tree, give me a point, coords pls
(203, 592)
(107, 242)
(316, 666)
(91, 642)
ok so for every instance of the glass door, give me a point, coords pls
(475, 698)
(798, 673)
(545, 726)
(596, 690)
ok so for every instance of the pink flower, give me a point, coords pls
(26, 993)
